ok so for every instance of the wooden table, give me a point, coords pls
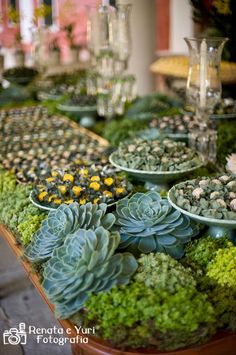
(222, 344)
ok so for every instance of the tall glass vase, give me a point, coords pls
(203, 90)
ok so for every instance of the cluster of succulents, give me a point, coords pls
(156, 155)
(168, 314)
(16, 210)
(213, 262)
(64, 221)
(225, 106)
(81, 185)
(31, 155)
(85, 263)
(181, 124)
(148, 223)
(211, 197)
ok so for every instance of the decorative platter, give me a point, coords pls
(217, 227)
(159, 178)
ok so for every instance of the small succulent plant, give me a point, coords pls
(148, 223)
(85, 264)
(209, 197)
(156, 155)
(63, 221)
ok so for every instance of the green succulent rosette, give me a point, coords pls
(63, 221)
(85, 263)
(148, 223)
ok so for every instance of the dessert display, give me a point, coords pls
(176, 124)
(81, 184)
(208, 197)
(156, 155)
(34, 142)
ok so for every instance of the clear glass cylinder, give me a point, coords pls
(122, 33)
(204, 89)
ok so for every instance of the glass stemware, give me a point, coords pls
(203, 90)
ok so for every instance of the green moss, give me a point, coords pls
(162, 271)
(213, 262)
(223, 268)
(202, 251)
(139, 316)
(160, 308)
(16, 210)
(29, 226)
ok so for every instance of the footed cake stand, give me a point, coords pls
(217, 227)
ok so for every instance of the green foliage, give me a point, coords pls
(162, 271)
(223, 268)
(149, 312)
(226, 141)
(117, 131)
(15, 206)
(29, 226)
(202, 251)
(65, 220)
(85, 263)
(148, 223)
(157, 103)
(213, 261)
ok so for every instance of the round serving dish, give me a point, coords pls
(217, 227)
(37, 204)
(159, 179)
(85, 114)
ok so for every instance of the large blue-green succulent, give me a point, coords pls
(85, 263)
(148, 223)
(65, 220)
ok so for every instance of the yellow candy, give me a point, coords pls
(94, 185)
(54, 173)
(68, 202)
(57, 201)
(96, 200)
(77, 190)
(50, 179)
(119, 190)
(42, 195)
(107, 193)
(83, 171)
(95, 178)
(51, 198)
(82, 201)
(108, 181)
(68, 177)
(62, 189)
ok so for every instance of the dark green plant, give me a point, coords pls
(66, 219)
(148, 223)
(85, 263)
(201, 252)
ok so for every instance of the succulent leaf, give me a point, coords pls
(85, 263)
(148, 223)
(66, 219)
